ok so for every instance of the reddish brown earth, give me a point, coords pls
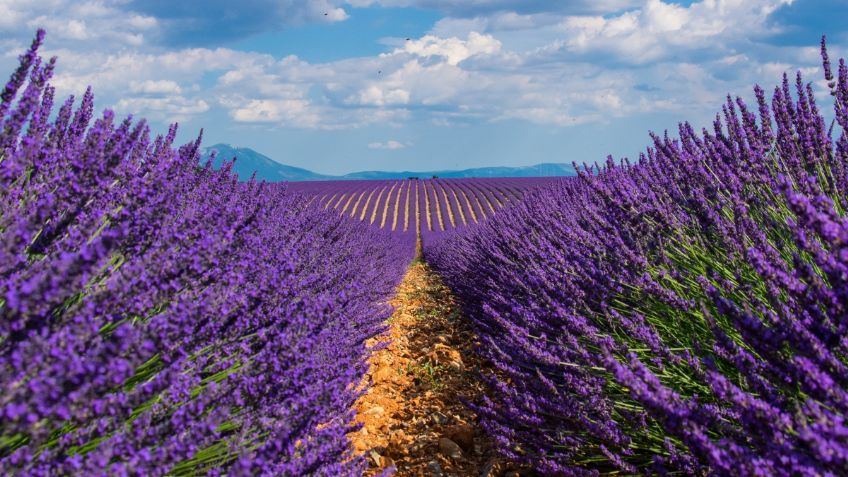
(413, 415)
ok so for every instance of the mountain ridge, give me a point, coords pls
(248, 161)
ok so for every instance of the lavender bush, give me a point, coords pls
(684, 314)
(163, 318)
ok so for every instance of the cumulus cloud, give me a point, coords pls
(453, 50)
(76, 21)
(488, 60)
(155, 87)
(295, 112)
(379, 96)
(391, 144)
(172, 108)
(659, 28)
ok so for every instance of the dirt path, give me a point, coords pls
(413, 414)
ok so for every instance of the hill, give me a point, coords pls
(248, 161)
(539, 170)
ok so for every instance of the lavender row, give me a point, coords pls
(684, 314)
(441, 205)
(161, 318)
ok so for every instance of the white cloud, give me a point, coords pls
(546, 66)
(155, 87)
(72, 29)
(659, 28)
(377, 96)
(336, 15)
(105, 21)
(453, 50)
(142, 22)
(288, 112)
(652, 31)
(391, 144)
(168, 108)
(112, 73)
(12, 16)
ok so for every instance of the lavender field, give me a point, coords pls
(160, 318)
(685, 313)
(419, 207)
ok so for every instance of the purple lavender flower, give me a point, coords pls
(159, 317)
(683, 314)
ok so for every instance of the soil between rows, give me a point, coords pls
(413, 414)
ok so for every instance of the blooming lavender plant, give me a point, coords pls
(682, 314)
(157, 317)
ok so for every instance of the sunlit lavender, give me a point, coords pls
(683, 314)
(159, 317)
(680, 314)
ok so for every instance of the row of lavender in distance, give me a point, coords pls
(685, 314)
(431, 206)
(160, 318)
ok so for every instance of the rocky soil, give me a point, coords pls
(413, 414)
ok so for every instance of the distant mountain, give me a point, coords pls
(248, 161)
(539, 170)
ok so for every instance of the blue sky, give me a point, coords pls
(343, 85)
